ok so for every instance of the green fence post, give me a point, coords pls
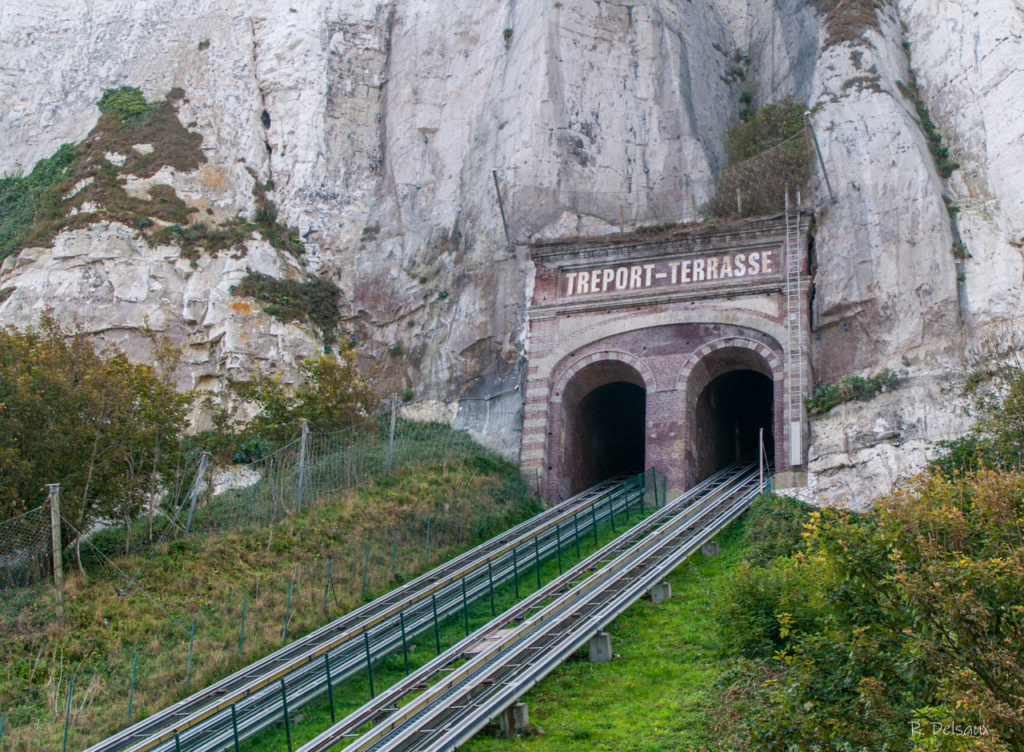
(611, 513)
(626, 498)
(287, 721)
(394, 552)
(287, 613)
(643, 491)
(490, 585)
(188, 671)
(465, 605)
(330, 689)
(558, 537)
(366, 565)
(2, 719)
(177, 743)
(131, 689)
(426, 551)
(593, 520)
(576, 533)
(369, 662)
(536, 553)
(67, 717)
(515, 571)
(241, 632)
(437, 631)
(405, 648)
(327, 583)
(234, 726)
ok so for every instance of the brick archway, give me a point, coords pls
(766, 352)
(581, 362)
(670, 315)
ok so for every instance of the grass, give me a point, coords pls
(661, 692)
(208, 578)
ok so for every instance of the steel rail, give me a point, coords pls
(383, 708)
(438, 708)
(506, 692)
(159, 730)
(264, 708)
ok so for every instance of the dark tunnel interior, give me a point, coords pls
(609, 433)
(729, 414)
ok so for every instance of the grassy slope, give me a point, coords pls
(659, 695)
(208, 578)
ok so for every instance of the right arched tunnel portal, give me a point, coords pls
(731, 410)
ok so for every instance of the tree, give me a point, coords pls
(94, 424)
(333, 395)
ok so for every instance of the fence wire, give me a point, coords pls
(25, 560)
(304, 473)
(757, 186)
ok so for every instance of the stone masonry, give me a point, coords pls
(671, 336)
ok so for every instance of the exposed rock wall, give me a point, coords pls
(380, 124)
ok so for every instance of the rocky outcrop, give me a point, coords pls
(382, 126)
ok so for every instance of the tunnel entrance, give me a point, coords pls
(605, 407)
(732, 399)
(731, 411)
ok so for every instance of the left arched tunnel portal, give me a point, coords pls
(604, 413)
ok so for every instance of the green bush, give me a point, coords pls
(288, 300)
(827, 396)
(768, 127)
(768, 156)
(774, 528)
(762, 607)
(22, 197)
(128, 104)
(943, 163)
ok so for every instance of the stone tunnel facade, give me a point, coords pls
(672, 352)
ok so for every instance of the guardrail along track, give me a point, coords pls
(250, 700)
(445, 702)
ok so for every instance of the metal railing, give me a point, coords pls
(532, 638)
(254, 698)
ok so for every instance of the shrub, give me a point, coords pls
(943, 163)
(827, 396)
(774, 528)
(127, 104)
(94, 423)
(22, 197)
(288, 300)
(767, 156)
(762, 607)
(333, 395)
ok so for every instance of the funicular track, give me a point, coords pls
(444, 703)
(251, 699)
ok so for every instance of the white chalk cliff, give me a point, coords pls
(385, 120)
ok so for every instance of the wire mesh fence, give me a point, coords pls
(756, 186)
(25, 560)
(302, 474)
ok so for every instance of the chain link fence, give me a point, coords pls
(304, 473)
(757, 186)
(26, 564)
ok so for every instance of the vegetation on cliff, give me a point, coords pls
(86, 183)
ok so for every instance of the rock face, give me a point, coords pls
(384, 124)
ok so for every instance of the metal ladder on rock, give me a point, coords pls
(795, 376)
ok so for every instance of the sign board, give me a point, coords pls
(674, 273)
